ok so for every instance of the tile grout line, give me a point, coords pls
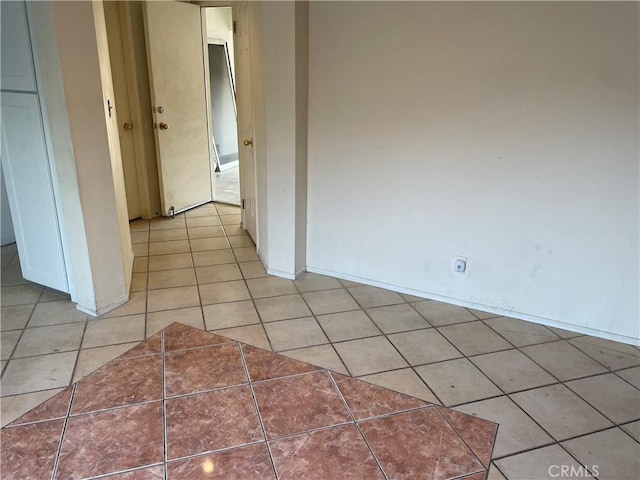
(75, 364)
(508, 397)
(56, 461)
(213, 452)
(257, 407)
(315, 317)
(559, 382)
(146, 289)
(412, 367)
(493, 443)
(246, 285)
(355, 422)
(22, 332)
(617, 374)
(551, 444)
(255, 307)
(24, 328)
(165, 445)
(123, 472)
(195, 275)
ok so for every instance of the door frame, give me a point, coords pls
(125, 106)
(224, 44)
(243, 184)
(140, 148)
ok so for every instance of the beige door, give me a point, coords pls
(246, 152)
(125, 127)
(176, 71)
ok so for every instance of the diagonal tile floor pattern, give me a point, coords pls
(202, 270)
(191, 404)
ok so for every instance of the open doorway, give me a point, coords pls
(222, 104)
(179, 135)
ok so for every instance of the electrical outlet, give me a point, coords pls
(460, 265)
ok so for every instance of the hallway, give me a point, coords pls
(560, 398)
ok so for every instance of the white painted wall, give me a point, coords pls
(116, 189)
(70, 40)
(302, 111)
(505, 132)
(220, 28)
(283, 167)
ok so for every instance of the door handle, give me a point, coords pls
(248, 142)
(128, 126)
(163, 126)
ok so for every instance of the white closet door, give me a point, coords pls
(17, 63)
(176, 71)
(30, 190)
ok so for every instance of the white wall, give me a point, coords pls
(116, 189)
(302, 113)
(282, 170)
(505, 132)
(220, 28)
(70, 40)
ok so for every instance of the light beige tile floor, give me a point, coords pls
(560, 398)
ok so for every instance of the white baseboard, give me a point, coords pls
(105, 309)
(549, 322)
(287, 275)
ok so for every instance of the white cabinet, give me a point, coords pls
(26, 165)
(30, 190)
(17, 71)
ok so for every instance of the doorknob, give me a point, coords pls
(163, 126)
(248, 142)
(128, 126)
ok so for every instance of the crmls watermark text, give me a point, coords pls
(571, 471)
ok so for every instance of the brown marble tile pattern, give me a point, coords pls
(244, 463)
(152, 345)
(264, 365)
(211, 421)
(116, 425)
(199, 369)
(295, 404)
(29, 451)
(56, 407)
(118, 383)
(419, 444)
(150, 473)
(178, 337)
(338, 452)
(478, 433)
(111, 441)
(366, 400)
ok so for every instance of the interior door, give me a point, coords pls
(176, 70)
(30, 190)
(125, 127)
(245, 117)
